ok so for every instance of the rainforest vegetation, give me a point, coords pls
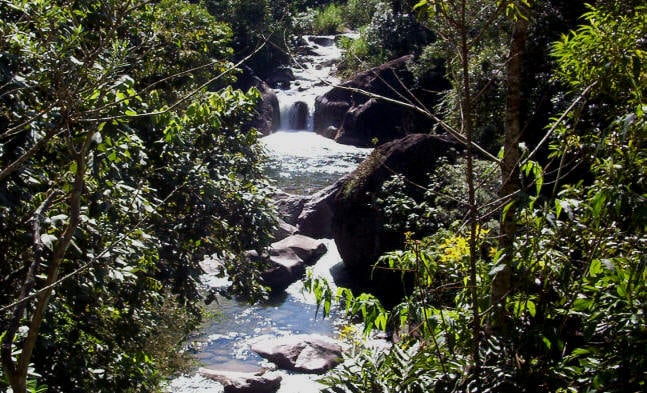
(126, 158)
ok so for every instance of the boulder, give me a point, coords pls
(309, 250)
(280, 78)
(239, 382)
(312, 354)
(323, 40)
(287, 260)
(283, 230)
(298, 116)
(284, 268)
(357, 223)
(268, 119)
(360, 119)
(289, 206)
(316, 214)
(330, 109)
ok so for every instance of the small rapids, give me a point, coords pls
(301, 163)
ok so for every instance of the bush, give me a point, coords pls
(358, 13)
(329, 20)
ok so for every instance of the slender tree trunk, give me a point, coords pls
(468, 126)
(510, 175)
(17, 371)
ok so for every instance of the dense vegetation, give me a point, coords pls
(552, 296)
(123, 163)
(125, 159)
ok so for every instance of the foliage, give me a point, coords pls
(119, 173)
(358, 13)
(356, 53)
(328, 20)
(262, 27)
(575, 312)
(387, 35)
(424, 208)
(431, 323)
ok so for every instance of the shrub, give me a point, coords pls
(329, 20)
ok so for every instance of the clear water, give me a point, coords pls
(225, 338)
(301, 162)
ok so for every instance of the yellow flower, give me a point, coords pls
(454, 248)
(492, 252)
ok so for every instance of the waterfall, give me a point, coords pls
(296, 114)
(314, 75)
(301, 162)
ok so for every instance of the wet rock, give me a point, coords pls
(323, 40)
(316, 215)
(287, 260)
(238, 382)
(313, 354)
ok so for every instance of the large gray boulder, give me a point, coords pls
(311, 215)
(289, 206)
(315, 218)
(307, 249)
(239, 382)
(313, 354)
(283, 230)
(351, 117)
(358, 223)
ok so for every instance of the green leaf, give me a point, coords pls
(532, 309)
(595, 268)
(546, 342)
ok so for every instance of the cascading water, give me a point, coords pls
(314, 75)
(301, 162)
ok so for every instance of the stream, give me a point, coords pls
(301, 162)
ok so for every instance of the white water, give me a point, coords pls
(301, 162)
(313, 77)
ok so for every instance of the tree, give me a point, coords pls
(510, 165)
(567, 314)
(119, 171)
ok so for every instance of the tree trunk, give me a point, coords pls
(510, 175)
(467, 125)
(17, 371)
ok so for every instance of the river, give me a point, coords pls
(301, 162)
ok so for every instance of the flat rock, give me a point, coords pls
(313, 354)
(309, 250)
(238, 382)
